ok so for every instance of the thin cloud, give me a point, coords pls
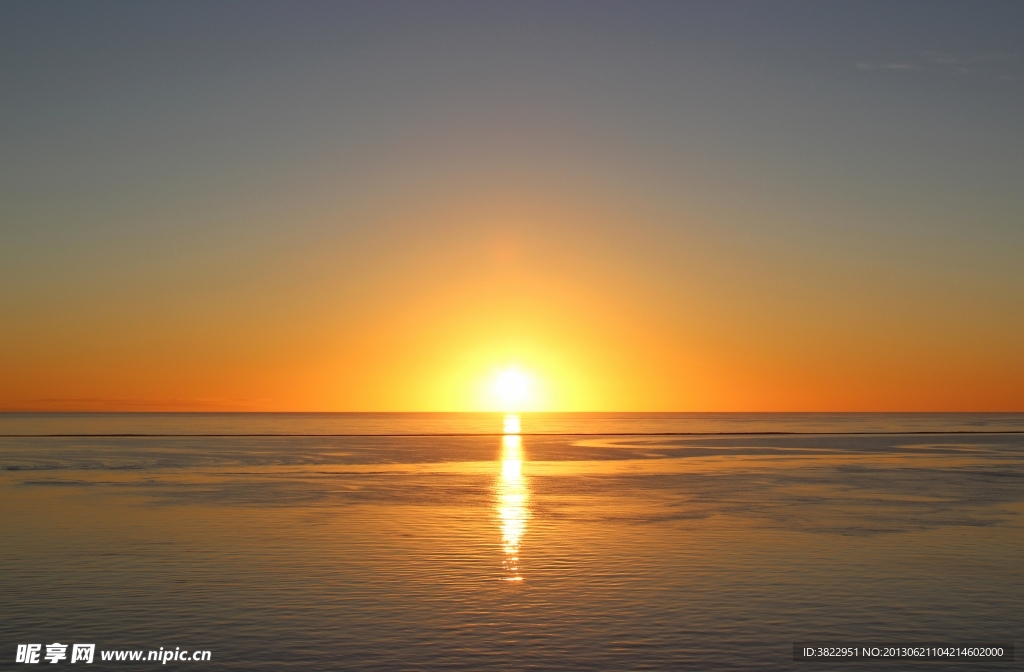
(135, 405)
(941, 59)
(987, 58)
(887, 66)
(993, 65)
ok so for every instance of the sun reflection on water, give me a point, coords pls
(512, 424)
(512, 498)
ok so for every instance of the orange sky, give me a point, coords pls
(600, 319)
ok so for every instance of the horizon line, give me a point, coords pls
(500, 434)
(496, 412)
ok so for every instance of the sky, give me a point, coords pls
(642, 206)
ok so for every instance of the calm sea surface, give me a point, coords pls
(484, 542)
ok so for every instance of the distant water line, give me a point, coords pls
(341, 425)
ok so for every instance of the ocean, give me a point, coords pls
(492, 542)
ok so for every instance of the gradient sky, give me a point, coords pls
(647, 206)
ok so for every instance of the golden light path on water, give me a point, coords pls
(512, 495)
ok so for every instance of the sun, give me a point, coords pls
(512, 390)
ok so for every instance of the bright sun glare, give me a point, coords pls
(512, 389)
